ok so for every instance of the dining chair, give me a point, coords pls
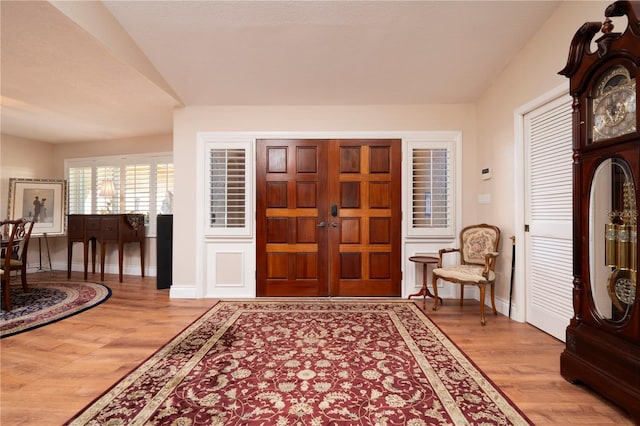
(14, 256)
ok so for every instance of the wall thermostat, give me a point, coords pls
(486, 173)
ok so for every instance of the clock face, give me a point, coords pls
(614, 105)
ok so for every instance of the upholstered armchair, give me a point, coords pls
(477, 262)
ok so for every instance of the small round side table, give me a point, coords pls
(424, 291)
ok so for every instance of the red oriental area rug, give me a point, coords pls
(312, 362)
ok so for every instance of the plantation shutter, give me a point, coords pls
(79, 190)
(432, 193)
(137, 189)
(549, 214)
(107, 202)
(142, 184)
(431, 185)
(164, 188)
(227, 188)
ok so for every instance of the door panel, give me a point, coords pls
(328, 217)
(291, 249)
(549, 214)
(364, 238)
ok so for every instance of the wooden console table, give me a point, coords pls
(104, 228)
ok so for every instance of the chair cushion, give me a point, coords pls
(15, 263)
(476, 243)
(468, 273)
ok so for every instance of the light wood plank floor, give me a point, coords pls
(49, 374)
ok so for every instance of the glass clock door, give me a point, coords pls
(613, 240)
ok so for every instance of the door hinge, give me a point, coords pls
(526, 228)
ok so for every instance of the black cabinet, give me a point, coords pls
(164, 245)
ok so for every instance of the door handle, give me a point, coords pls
(322, 224)
(334, 224)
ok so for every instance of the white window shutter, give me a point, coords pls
(432, 187)
(228, 187)
(137, 189)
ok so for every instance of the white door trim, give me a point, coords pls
(199, 291)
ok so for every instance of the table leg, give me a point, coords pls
(86, 258)
(142, 257)
(424, 291)
(120, 259)
(93, 255)
(103, 254)
(69, 258)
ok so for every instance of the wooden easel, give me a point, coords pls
(46, 241)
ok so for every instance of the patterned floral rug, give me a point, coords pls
(49, 302)
(319, 362)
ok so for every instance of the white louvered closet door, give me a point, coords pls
(548, 198)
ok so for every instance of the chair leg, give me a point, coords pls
(493, 299)
(461, 294)
(482, 291)
(434, 284)
(23, 278)
(6, 294)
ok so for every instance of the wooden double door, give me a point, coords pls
(328, 217)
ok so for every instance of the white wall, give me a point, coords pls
(25, 159)
(188, 279)
(137, 145)
(487, 127)
(532, 73)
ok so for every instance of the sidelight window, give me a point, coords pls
(228, 190)
(431, 188)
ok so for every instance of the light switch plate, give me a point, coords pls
(484, 198)
(486, 173)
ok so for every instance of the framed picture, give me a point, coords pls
(42, 200)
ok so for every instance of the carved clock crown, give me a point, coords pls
(580, 56)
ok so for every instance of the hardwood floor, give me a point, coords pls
(50, 373)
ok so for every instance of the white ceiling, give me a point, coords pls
(70, 72)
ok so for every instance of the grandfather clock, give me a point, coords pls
(603, 339)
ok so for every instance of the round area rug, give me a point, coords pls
(48, 302)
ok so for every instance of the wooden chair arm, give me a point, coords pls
(445, 251)
(489, 263)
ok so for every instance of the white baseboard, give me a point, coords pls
(108, 268)
(182, 293)
(502, 305)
